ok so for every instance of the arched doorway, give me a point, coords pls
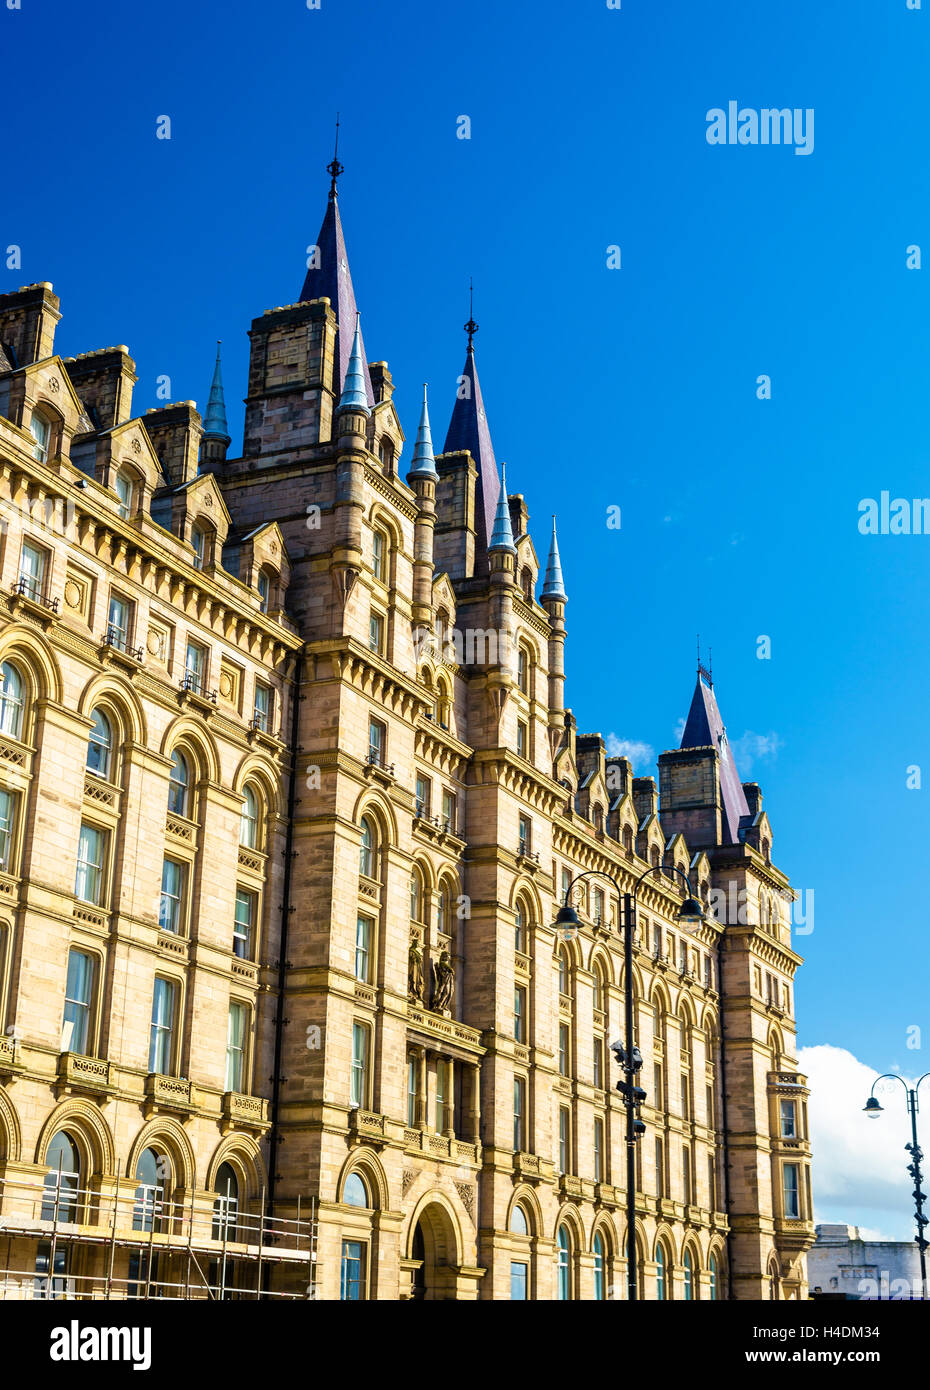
(433, 1255)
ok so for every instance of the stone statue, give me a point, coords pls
(415, 972)
(445, 983)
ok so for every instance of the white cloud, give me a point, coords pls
(750, 748)
(640, 754)
(859, 1167)
(680, 729)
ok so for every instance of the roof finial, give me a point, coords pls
(354, 395)
(502, 536)
(471, 328)
(335, 168)
(702, 670)
(424, 464)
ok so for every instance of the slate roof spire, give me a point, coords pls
(468, 429)
(554, 586)
(705, 728)
(423, 464)
(214, 420)
(353, 391)
(328, 277)
(502, 534)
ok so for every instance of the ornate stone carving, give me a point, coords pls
(415, 972)
(408, 1181)
(73, 595)
(467, 1193)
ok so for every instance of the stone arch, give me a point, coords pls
(167, 1132)
(380, 519)
(777, 1046)
(371, 803)
(659, 995)
(11, 1134)
(526, 1198)
(567, 1215)
(601, 958)
(524, 888)
(255, 768)
(108, 690)
(199, 740)
(437, 1216)
(34, 654)
(243, 1154)
(368, 1165)
(604, 1227)
(664, 1235)
(686, 1012)
(90, 1131)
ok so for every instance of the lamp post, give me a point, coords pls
(873, 1109)
(689, 915)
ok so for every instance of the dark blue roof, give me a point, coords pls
(468, 429)
(704, 729)
(332, 280)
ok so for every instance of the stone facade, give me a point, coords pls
(382, 785)
(843, 1261)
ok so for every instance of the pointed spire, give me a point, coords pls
(554, 586)
(335, 168)
(353, 392)
(705, 729)
(424, 464)
(328, 277)
(502, 535)
(468, 430)
(214, 421)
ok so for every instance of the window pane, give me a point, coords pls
(235, 1047)
(517, 1282)
(172, 890)
(89, 877)
(7, 808)
(242, 928)
(11, 701)
(363, 932)
(162, 1026)
(76, 1026)
(352, 1286)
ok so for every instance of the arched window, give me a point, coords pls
(628, 839)
(565, 1264)
(380, 556)
(11, 701)
(526, 581)
(654, 857)
(40, 427)
(264, 590)
(597, 816)
(518, 1222)
(248, 820)
(661, 1275)
(443, 704)
(524, 662)
(600, 1286)
(689, 1277)
(63, 1179)
(712, 1272)
(99, 745)
(444, 913)
(417, 896)
(565, 982)
(226, 1205)
(124, 490)
(355, 1192)
(179, 785)
(149, 1206)
(367, 850)
(520, 920)
(386, 452)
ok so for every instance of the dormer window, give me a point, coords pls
(123, 489)
(264, 590)
(41, 432)
(386, 453)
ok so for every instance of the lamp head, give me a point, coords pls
(567, 922)
(872, 1108)
(690, 914)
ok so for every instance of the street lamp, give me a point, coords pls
(690, 915)
(874, 1110)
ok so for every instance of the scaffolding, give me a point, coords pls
(170, 1250)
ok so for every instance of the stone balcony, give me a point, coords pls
(533, 1167)
(441, 1146)
(250, 1112)
(169, 1093)
(79, 1073)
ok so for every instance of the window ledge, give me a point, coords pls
(243, 1111)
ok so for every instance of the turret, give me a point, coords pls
(215, 440)
(423, 478)
(554, 598)
(350, 428)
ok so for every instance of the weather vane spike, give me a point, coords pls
(335, 168)
(706, 671)
(471, 328)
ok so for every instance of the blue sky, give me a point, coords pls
(633, 387)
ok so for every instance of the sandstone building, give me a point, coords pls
(289, 798)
